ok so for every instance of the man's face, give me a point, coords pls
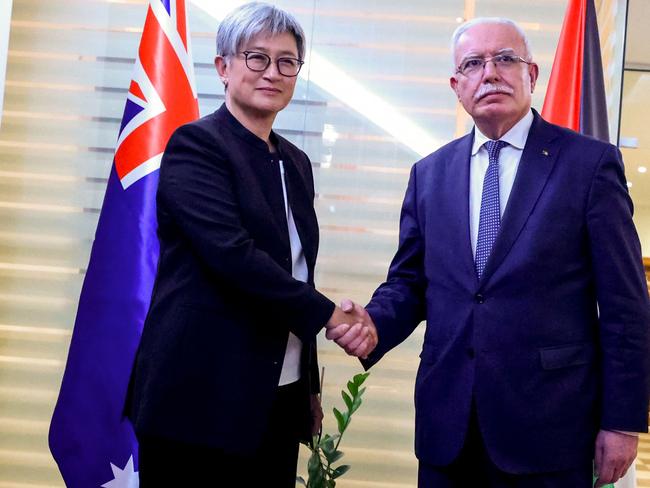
(494, 96)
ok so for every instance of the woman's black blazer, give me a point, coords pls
(224, 300)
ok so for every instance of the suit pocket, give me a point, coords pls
(557, 357)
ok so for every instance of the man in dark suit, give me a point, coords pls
(517, 247)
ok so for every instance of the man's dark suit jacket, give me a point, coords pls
(552, 343)
(224, 300)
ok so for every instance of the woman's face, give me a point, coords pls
(258, 94)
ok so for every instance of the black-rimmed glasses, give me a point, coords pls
(257, 61)
(473, 66)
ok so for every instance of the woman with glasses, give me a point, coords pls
(225, 380)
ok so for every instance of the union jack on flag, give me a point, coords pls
(93, 444)
(162, 95)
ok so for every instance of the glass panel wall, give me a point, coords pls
(635, 146)
(635, 138)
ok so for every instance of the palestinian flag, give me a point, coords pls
(575, 97)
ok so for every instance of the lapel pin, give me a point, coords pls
(544, 152)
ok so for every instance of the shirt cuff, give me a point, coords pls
(633, 434)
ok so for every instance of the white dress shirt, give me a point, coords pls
(291, 364)
(509, 158)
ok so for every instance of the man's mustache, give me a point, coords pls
(489, 88)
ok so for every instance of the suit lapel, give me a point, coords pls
(537, 161)
(458, 185)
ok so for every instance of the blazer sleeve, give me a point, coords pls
(398, 305)
(196, 188)
(624, 308)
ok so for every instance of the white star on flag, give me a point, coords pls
(123, 478)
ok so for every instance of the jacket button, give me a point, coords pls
(470, 352)
(478, 298)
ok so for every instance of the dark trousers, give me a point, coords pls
(166, 463)
(473, 468)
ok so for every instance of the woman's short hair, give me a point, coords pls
(251, 19)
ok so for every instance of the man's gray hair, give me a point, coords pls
(464, 27)
(251, 19)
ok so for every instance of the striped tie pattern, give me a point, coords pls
(490, 216)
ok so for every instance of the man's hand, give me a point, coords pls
(352, 328)
(316, 413)
(615, 452)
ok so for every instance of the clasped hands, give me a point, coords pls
(352, 328)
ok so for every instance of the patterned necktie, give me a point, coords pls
(490, 217)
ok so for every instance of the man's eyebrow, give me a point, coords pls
(471, 55)
(474, 55)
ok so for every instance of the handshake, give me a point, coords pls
(351, 327)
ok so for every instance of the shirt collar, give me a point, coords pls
(516, 136)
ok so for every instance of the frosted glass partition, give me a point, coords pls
(635, 136)
(372, 63)
(612, 16)
(5, 17)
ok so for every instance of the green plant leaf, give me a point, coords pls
(357, 401)
(334, 456)
(313, 465)
(360, 378)
(322, 441)
(340, 471)
(327, 446)
(301, 480)
(347, 399)
(318, 480)
(356, 404)
(353, 388)
(331, 439)
(341, 420)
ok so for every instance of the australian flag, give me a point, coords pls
(89, 438)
